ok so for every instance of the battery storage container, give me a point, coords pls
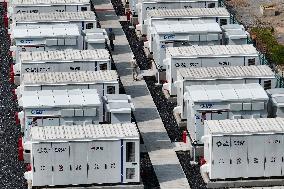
(84, 154)
(59, 107)
(261, 74)
(275, 106)
(44, 6)
(224, 101)
(146, 5)
(26, 38)
(63, 61)
(105, 82)
(234, 34)
(207, 56)
(182, 33)
(221, 15)
(118, 108)
(84, 20)
(246, 148)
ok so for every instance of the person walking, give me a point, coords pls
(111, 37)
(135, 68)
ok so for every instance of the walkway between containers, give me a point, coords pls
(157, 143)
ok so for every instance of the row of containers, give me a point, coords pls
(77, 128)
(226, 98)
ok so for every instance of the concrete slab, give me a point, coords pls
(161, 151)
(254, 183)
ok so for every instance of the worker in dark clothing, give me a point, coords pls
(111, 37)
(135, 69)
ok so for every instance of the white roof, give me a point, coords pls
(49, 2)
(59, 78)
(66, 55)
(43, 31)
(245, 126)
(226, 92)
(229, 72)
(60, 98)
(192, 12)
(236, 34)
(212, 51)
(277, 96)
(84, 132)
(54, 16)
(175, 1)
(188, 27)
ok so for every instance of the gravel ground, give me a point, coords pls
(147, 172)
(11, 170)
(191, 171)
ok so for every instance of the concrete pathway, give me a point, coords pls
(161, 151)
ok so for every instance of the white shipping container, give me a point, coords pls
(261, 74)
(275, 106)
(105, 82)
(27, 38)
(59, 107)
(44, 6)
(84, 20)
(182, 33)
(221, 15)
(207, 56)
(247, 148)
(84, 154)
(147, 5)
(63, 61)
(118, 108)
(223, 101)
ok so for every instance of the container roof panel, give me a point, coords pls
(42, 31)
(84, 133)
(192, 12)
(212, 51)
(60, 98)
(49, 2)
(54, 16)
(245, 126)
(229, 72)
(225, 92)
(68, 55)
(256, 91)
(59, 78)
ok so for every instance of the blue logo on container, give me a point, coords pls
(38, 112)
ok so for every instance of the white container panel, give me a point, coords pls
(42, 164)
(255, 156)
(199, 125)
(220, 165)
(273, 154)
(235, 61)
(215, 62)
(78, 162)
(239, 147)
(61, 168)
(104, 167)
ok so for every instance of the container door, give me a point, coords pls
(42, 164)
(104, 162)
(273, 155)
(220, 157)
(199, 126)
(255, 156)
(113, 165)
(78, 162)
(131, 161)
(239, 147)
(61, 168)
